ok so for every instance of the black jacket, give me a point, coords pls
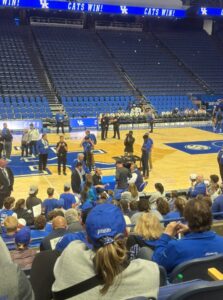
(76, 182)
(6, 186)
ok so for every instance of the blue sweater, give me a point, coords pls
(199, 189)
(217, 206)
(68, 200)
(170, 252)
(42, 148)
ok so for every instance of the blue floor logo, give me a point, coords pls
(198, 147)
(29, 165)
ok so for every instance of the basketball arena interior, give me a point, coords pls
(111, 149)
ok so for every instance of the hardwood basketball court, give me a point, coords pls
(171, 167)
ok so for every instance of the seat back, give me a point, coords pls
(199, 290)
(197, 268)
(41, 275)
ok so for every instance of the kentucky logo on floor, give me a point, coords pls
(29, 165)
(198, 147)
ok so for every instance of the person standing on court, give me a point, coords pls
(62, 154)
(60, 118)
(1, 144)
(128, 142)
(150, 118)
(146, 154)
(43, 150)
(116, 124)
(6, 181)
(104, 127)
(33, 137)
(7, 138)
(220, 162)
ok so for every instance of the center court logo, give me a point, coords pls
(197, 147)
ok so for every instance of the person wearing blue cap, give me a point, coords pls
(23, 256)
(105, 270)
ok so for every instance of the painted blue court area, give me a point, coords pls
(29, 166)
(200, 147)
(209, 129)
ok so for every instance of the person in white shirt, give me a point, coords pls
(33, 137)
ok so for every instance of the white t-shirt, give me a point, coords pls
(140, 278)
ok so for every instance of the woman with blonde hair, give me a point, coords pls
(104, 272)
(147, 232)
(132, 193)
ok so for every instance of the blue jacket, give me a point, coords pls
(170, 252)
(147, 145)
(59, 117)
(68, 199)
(198, 189)
(217, 206)
(70, 237)
(42, 148)
(85, 168)
(93, 138)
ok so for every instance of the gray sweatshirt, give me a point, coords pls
(140, 278)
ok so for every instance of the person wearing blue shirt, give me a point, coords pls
(217, 207)
(146, 154)
(80, 158)
(177, 213)
(60, 117)
(69, 199)
(199, 241)
(91, 136)
(220, 162)
(88, 147)
(198, 187)
(39, 232)
(7, 210)
(51, 203)
(43, 150)
(219, 119)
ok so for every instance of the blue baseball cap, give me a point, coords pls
(103, 223)
(23, 236)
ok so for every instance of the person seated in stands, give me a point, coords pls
(51, 203)
(72, 236)
(23, 256)
(198, 241)
(73, 220)
(32, 200)
(10, 226)
(53, 214)
(133, 206)
(145, 234)
(14, 283)
(162, 206)
(59, 229)
(198, 186)
(143, 206)
(97, 181)
(213, 188)
(124, 206)
(160, 192)
(22, 212)
(217, 207)
(69, 200)
(90, 189)
(132, 193)
(136, 176)
(7, 210)
(179, 206)
(39, 232)
(117, 278)
(80, 159)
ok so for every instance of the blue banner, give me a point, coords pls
(84, 123)
(95, 8)
(22, 124)
(210, 12)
